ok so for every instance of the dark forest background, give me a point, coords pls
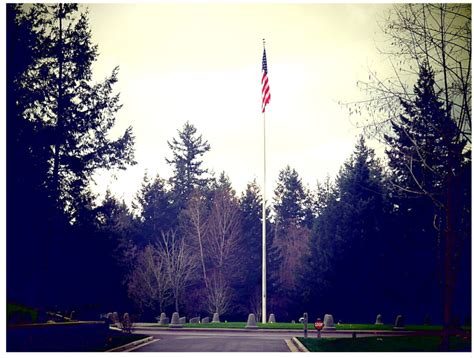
(390, 237)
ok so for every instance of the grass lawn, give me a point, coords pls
(385, 344)
(299, 326)
(384, 327)
(241, 325)
(66, 337)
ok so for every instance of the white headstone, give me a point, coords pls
(194, 320)
(328, 322)
(175, 321)
(215, 318)
(251, 323)
(399, 322)
(163, 319)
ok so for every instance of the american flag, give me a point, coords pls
(265, 86)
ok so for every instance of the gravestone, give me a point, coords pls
(328, 323)
(399, 322)
(378, 320)
(194, 320)
(271, 319)
(251, 323)
(175, 321)
(182, 320)
(163, 319)
(205, 320)
(215, 318)
(293, 321)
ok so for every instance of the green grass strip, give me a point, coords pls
(385, 344)
(299, 326)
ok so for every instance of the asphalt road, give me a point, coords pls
(222, 341)
(182, 341)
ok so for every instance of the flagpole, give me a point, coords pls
(264, 222)
(264, 246)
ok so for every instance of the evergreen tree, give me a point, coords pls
(27, 170)
(222, 183)
(291, 236)
(57, 127)
(421, 141)
(250, 284)
(289, 198)
(188, 173)
(430, 165)
(117, 223)
(76, 114)
(349, 240)
(313, 275)
(156, 213)
(362, 219)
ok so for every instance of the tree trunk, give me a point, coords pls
(449, 274)
(176, 305)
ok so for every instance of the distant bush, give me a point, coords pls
(17, 313)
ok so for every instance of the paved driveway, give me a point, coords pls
(181, 341)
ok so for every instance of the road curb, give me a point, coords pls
(142, 345)
(291, 346)
(299, 345)
(130, 345)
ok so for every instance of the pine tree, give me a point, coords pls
(291, 235)
(422, 140)
(429, 162)
(27, 169)
(313, 276)
(289, 198)
(250, 284)
(349, 239)
(58, 123)
(75, 114)
(188, 173)
(156, 213)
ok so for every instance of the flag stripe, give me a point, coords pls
(265, 85)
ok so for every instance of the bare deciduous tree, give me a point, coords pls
(293, 244)
(256, 304)
(439, 34)
(222, 249)
(148, 282)
(179, 262)
(195, 226)
(224, 229)
(219, 293)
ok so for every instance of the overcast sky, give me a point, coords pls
(202, 64)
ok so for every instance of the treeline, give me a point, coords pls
(371, 240)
